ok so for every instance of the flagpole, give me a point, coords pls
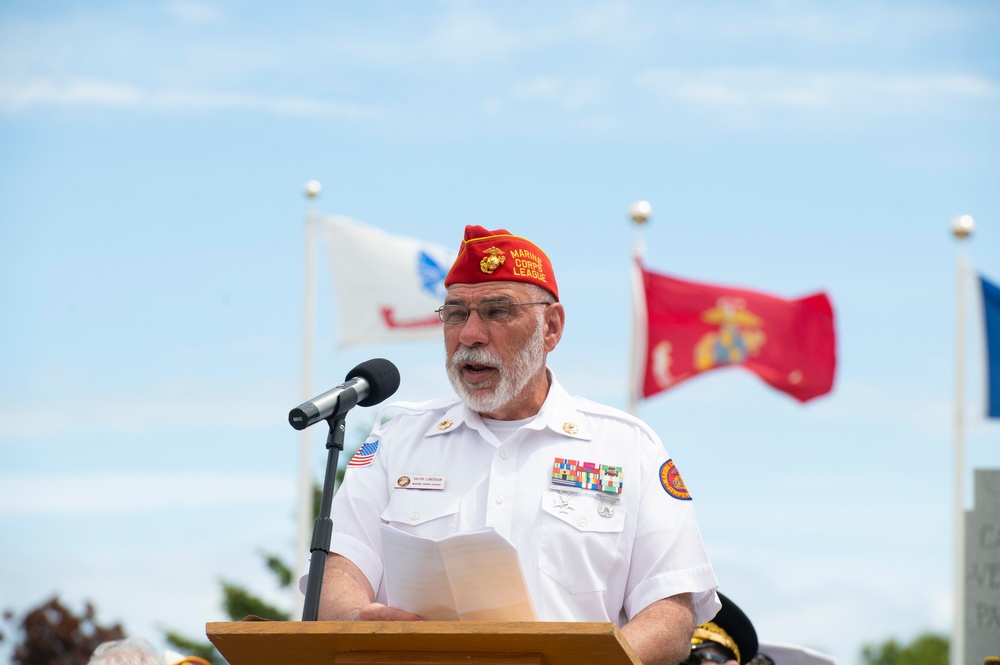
(961, 228)
(305, 516)
(639, 212)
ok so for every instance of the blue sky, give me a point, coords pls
(152, 164)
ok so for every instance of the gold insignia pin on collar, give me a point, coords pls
(570, 428)
(445, 424)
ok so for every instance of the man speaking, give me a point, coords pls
(603, 525)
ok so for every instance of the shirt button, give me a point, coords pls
(414, 516)
(499, 499)
(503, 454)
(582, 521)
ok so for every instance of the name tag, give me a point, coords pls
(420, 482)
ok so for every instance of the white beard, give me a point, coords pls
(513, 379)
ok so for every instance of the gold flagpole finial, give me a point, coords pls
(313, 188)
(640, 212)
(962, 226)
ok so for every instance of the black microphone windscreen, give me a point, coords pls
(382, 377)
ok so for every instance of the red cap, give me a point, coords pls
(498, 256)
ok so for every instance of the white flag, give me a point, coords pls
(387, 286)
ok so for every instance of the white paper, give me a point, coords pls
(471, 576)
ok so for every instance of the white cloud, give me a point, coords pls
(878, 27)
(920, 413)
(785, 24)
(465, 38)
(957, 85)
(103, 494)
(14, 97)
(562, 93)
(610, 24)
(32, 420)
(472, 36)
(763, 87)
(194, 12)
(112, 94)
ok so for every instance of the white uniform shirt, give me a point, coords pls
(587, 555)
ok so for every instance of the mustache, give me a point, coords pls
(476, 357)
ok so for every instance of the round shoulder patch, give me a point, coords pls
(671, 480)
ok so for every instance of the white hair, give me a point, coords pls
(130, 651)
(539, 293)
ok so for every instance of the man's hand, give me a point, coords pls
(661, 633)
(380, 612)
(348, 596)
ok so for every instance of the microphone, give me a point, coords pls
(369, 383)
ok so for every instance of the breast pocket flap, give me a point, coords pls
(420, 506)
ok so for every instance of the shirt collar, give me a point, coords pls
(558, 414)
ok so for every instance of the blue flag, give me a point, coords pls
(991, 315)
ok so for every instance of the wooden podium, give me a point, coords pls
(419, 643)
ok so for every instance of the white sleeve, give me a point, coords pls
(357, 509)
(668, 555)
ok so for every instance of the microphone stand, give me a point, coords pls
(323, 527)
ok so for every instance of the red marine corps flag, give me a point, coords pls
(692, 328)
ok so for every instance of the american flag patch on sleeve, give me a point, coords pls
(365, 455)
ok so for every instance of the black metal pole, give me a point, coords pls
(323, 527)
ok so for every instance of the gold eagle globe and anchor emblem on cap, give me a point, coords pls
(494, 260)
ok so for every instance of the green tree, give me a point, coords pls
(238, 603)
(51, 634)
(926, 649)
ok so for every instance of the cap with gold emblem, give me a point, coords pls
(731, 630)
(497, 256)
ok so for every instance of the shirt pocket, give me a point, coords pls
(430, 514)
(580, 543)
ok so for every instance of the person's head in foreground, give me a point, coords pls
(137, 651)
(728, 639)
(130, 651)
(501, 316)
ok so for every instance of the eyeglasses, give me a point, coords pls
(491, 310)
(705, 656)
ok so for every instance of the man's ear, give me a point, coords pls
(555, 321)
